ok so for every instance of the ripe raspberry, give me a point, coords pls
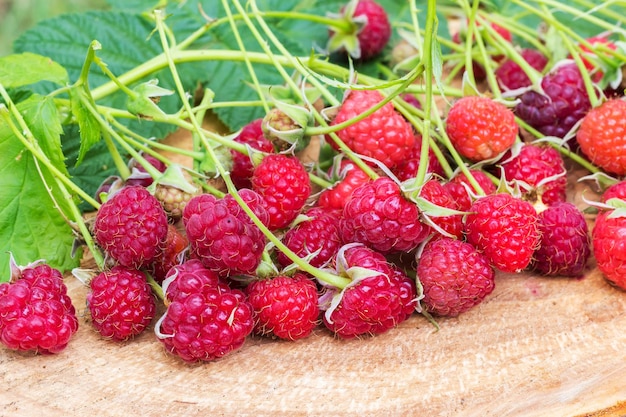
(121, 303)
(617, 190)
(504, 228)
(454, 275)
(510, 75)
(564, 246)
(205, 320)
(283, 183)
(480, 128)
(369, 23)
(36, 313)
(534, 164)
(439, 195)
(384, 135)
(187, 278)
(407, 169)
(131, 227)
(609, 246)
(174, 250)
(320, 232)
(374, 304)
(460, 187)
(602, 136)
(251, 135)
(565, 102)
(350, 177)
(139, 176)
(379, 216)
(222, 235)
(284, 307)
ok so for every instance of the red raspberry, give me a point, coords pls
(504, 228)
(205, 320)
(534, 164)
(187, 278)
(609, 246)
(511, 76)
(350, 177)
(284, 307)
(320, 232)
(564, 246)
(36, 313)
(379, 216)
(283, 183)
(564, 103)
(454, 275)
(222, 235)
(407, 169)
(480, 128)
(138, 175)
(372, 305)
(252, 135)
(384, 135)
(617, 190)
(460, 187)
(131, 227)
(121, 303)
(602, 136)
(372, 36)
(174, 250)
(439, 195)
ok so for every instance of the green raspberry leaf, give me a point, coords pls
(18, 70)
(31, 227)
(44, 121)
(89, 127)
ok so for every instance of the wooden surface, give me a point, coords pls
(536, 347)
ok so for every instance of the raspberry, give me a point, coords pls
(222, 235)
(480, 128)
(504, 228)
(533, 165)
(251, 135)
(565, 102)
(374, 304)
(510, 75)
(36, 314)
(205, 320)
(121, 303)
(187, 278)
(460, 187)
(609, 246)
(379, 216)
(320, 232)
(602, 136)
(372, 36)
(384, 135)
(175, 246)
(173, 200)
(617, 190)
(564, 246)
(351, 177)
(454, 275)
(436, 193)
(139, 176)
(407, 169)
(131, 227)
(284, 307)
(283, 183)
(595, 71)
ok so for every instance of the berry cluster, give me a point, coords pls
(398, 212)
